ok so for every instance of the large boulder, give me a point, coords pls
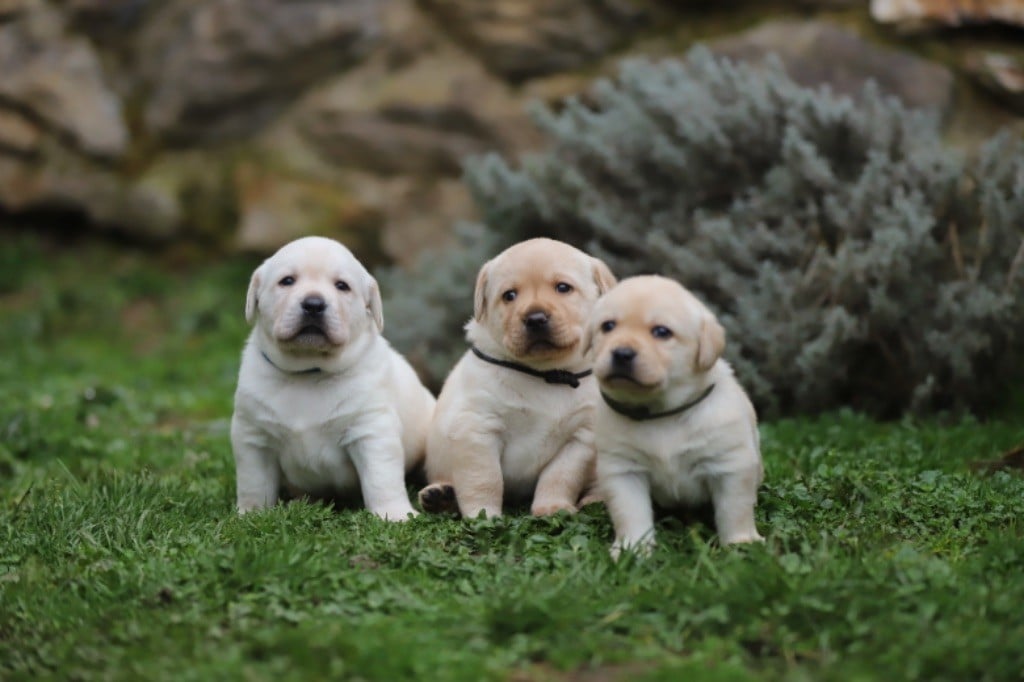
(912, 15)
(816, 53)
(1000, 73)
(57, 80)
(222, 69)
(420, 119)
(521, 39)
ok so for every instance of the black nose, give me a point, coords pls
(536, 320)
(314, 305)
(623, 355)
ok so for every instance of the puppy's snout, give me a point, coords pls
(314, 305)
(536, 320)
(623, 356)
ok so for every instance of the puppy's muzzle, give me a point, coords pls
(537, 322)
(313, 306)
(622, 359)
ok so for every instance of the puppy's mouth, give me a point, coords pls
(624, 380)
(540, 346)
(311, 334)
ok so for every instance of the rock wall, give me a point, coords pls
(245, 123)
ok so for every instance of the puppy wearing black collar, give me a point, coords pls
(514, 418)
(324, 406)
(673, 424)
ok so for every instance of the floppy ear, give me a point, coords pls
(603, 276)
(710, 344)
(480, 294)
(374, 305)
(251, 299)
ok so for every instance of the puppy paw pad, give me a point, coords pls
(438, 498)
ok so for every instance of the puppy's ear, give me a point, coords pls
(252, 298)
(373, 303)
(710, 344)
(480, 294)
(603, 276)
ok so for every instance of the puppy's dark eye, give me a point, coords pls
(287, 281)
(660, 332)
(607, 326)
(563, 287)
(509, 296)
(341, 285)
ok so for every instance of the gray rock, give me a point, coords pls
(223, 68)
(19, 136)
(915, 15)
(421, 119)
(817, 53)
(10, 8)
(58, 81)
(522, 39)
(1001, 74)
(70, 183)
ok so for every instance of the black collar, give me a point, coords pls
(311, 370)
(552, 376)
(642, 413)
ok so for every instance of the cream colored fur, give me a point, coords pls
(499, 433)
(708, 453)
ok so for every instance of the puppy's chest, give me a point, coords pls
(315, 457)
(310, 431)
(678, 465)
(535, 431)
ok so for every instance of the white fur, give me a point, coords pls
(359, 424)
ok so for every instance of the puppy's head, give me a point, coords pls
(532, 301)
(649, 335)
(313, 299)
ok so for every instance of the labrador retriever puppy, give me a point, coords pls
(514, 416)
(673, 423)
(324, 406)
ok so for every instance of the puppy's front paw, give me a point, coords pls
(246, 506)
(641, 548)
(439, 498)
(397, 513)
(743, 538)
(552, 508)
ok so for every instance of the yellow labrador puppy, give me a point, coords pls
(324, 405)
(673, 423)
(514, 416)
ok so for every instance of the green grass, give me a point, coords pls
(121, 556)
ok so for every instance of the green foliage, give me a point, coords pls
(121, 556)
(852, 257)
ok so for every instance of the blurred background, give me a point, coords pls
(238, 125)
(151, 153)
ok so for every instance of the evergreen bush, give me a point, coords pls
(853, 258)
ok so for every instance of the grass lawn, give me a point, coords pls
(121, 556)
